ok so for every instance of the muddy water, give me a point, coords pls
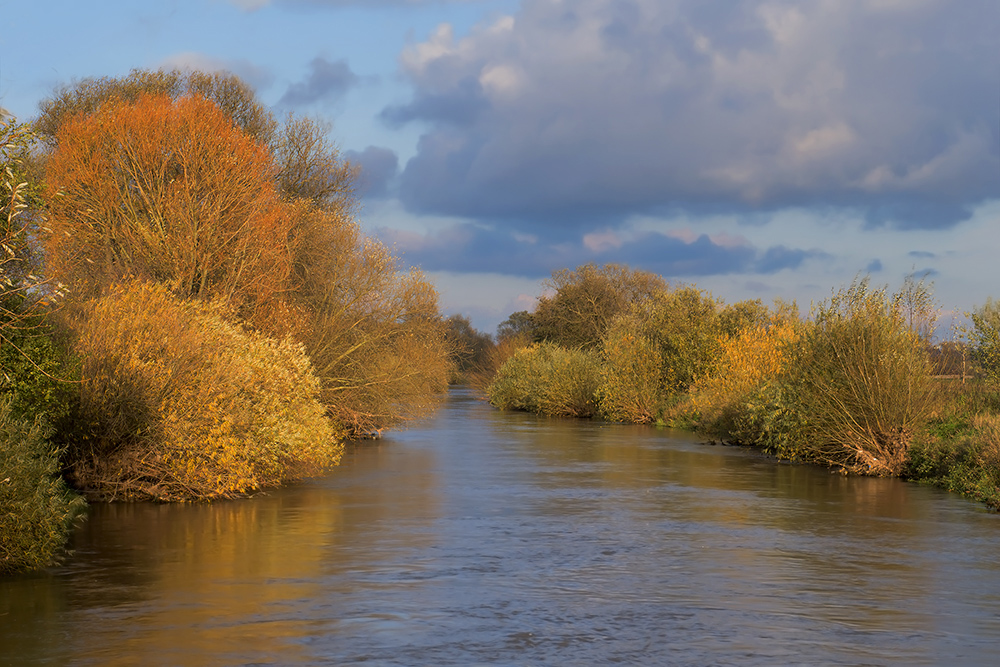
(479, 537)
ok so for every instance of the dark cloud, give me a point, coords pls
(922, 254)
(874, 266)
(327, 81)
(585, 113)
(379, 166)
(472, 248)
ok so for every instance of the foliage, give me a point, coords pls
(520, 324)
(548, 379)
(177, 403)
(375, 335)
(36, 508)
(37, 375)
(470, 348)
(266, 229)
(862, 378)
(586, 301)
(166, 191)
(309, 166)
(962, 456)
(83, 98)
(19, 284)
(631, 387)
(984, 339)
(306, 165)
(733, 401)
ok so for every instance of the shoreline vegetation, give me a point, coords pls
(189, 311)
(859, 385)
(188, 307)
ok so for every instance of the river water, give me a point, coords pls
(487, 538)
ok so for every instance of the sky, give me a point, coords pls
(759, 149)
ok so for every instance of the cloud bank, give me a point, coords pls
(577, 115)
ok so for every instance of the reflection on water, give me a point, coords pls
(480, 537)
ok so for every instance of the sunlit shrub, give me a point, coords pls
(862, 380)
(177, 403)
(548, 379)
(733, 402)
(36, 508)
(374, 334)
(631, 388)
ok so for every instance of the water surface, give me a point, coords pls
(480, 537)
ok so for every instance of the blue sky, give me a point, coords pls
(757, 148)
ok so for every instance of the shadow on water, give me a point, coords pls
(479, 537)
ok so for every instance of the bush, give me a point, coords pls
(631, 388)
(177, 403)
(862, 379)
(36, 372)
(548, 379)
(734, 401)
(36, 508)
(984, 338)
(961, 457)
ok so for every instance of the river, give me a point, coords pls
(484, 538)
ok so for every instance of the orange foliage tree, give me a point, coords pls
(169, 191)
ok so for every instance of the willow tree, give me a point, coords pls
(167, 191)
(172, 190)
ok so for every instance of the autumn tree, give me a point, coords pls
(586, 300)
(307, 165)
(172, 190)
(233, 97)
(374, 333)
(168, 191)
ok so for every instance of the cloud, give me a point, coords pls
(476, 248)
(379, 166)
(327, 81)
(874, 266)
(585, 113)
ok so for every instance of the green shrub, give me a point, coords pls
(961, 456)
(36, 372)
(548, 379)
(861, 381)
(177, 403)
(36, 508)
(984, 339)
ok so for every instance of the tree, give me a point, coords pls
(169, 191)
(374, 334)
(587, 300)
(307, 165)
(471, 348)
(172, 187)
(984, 339)
(234, 97)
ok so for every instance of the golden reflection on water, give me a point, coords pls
(176, 584)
